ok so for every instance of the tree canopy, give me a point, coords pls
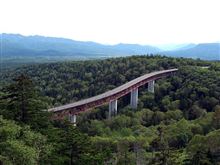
(178, 124)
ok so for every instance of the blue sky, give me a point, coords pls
(114, 21)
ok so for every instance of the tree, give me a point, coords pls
(216, 118)
(73, 147)
(123, 148)
(205, 149)
(104, 148)
(23, 103)
(157, 117)
(179, 134)
(160, 144)
(175, 115)
(196, 112)
(20, 145)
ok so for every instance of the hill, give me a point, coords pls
(18, 49)
(178, 124)
(205, 51)
(35, 46)
(172, 47)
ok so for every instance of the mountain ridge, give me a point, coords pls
(16, 46)
(13, 44)
(205, 51)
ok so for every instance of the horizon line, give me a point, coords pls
(110, 44)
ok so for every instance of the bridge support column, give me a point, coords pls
(151, 86)
(134, 98)
(113, 107)
(72, 119)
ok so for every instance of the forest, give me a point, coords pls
(177, 125)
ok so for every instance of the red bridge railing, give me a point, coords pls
(96, 101)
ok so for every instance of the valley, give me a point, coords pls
(167, 126)
(17, 50)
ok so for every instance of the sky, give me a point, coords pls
(115, 21)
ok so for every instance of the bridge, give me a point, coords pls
(111, 97)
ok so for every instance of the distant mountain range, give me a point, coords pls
(171, 47)
(18, 46)
(206, 51)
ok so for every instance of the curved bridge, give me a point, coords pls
(72, 109)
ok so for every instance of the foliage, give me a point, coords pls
(20, 145)
(22, 103)
(178, 124)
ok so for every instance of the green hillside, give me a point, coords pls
(178, 124)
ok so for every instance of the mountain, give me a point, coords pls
(18, 49)
(185, 46)
(17, 45)
(172, 47)
(205, 51)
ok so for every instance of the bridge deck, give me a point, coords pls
(111, 92)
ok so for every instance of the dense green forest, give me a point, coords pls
(178, 124)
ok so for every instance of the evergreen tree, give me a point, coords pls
(21, 102)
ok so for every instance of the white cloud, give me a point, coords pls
(114, 21)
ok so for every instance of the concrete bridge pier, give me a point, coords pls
(151, 86)
(134, 98)
(72, 119)
(67, 111)
(113, 108)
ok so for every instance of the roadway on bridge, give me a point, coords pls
(110, 92)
